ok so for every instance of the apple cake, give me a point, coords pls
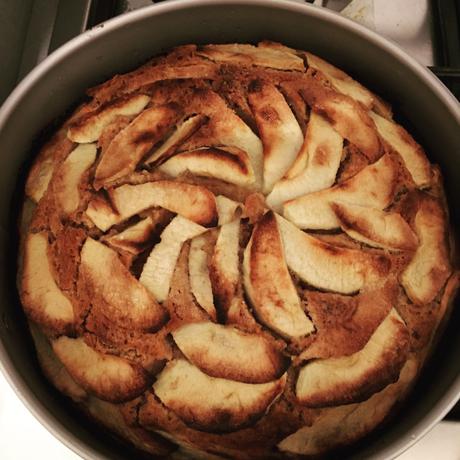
(234, 251)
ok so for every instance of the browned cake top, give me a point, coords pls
(237, 249)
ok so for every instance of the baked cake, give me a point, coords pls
(234, 251)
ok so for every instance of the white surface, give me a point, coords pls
(405, 22)
(23, 437)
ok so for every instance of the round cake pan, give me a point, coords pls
(426, 106)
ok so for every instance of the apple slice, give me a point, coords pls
(354, 378)
(346, 115)
(42, 299)
(159, 267)
(316, 164)
(41, 172)
(213, 404)
(376, 228)
(124, 299)
(354, 420)
(268, 283)
(281, 134)
(53, 369)
(252, 55)
(200, 281)
(70, 174)
(191, 201)
(133, 239)
(411, 153)
(109, 377)
(102, 214)
(40, 176)
(88, 127)
(182, 132)
(226, 352)
(342, 82)
(229, 164)
(374, 186)
(151, 73)
(328, 267)
(429, 268)
(224, 268)
(224, 128)
(227, 209)
(137, 138)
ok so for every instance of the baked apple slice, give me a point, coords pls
(316, 164)
(200, 281)
(224, 268)
(41, 297)
(53, 369)
(374, 187)
(193, 202)
(229, 164)
(41, 172)
(227, 209)
(329, 267)
(109, 377)
(411, 153)
(226, 352)
(268, 282)
(70, 174)
(354, 420)
(159, 268)
(213, 404)
(137, 138)
(124, 299)
(252, 55)
(353, 378)
(429, 269)
(224, 128)
(181, 132)
(342, 82)
(134, 238)
(376, 228)
(89, 126)
(280, 133)
(347, 116)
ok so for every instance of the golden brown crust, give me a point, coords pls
(181, 304)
